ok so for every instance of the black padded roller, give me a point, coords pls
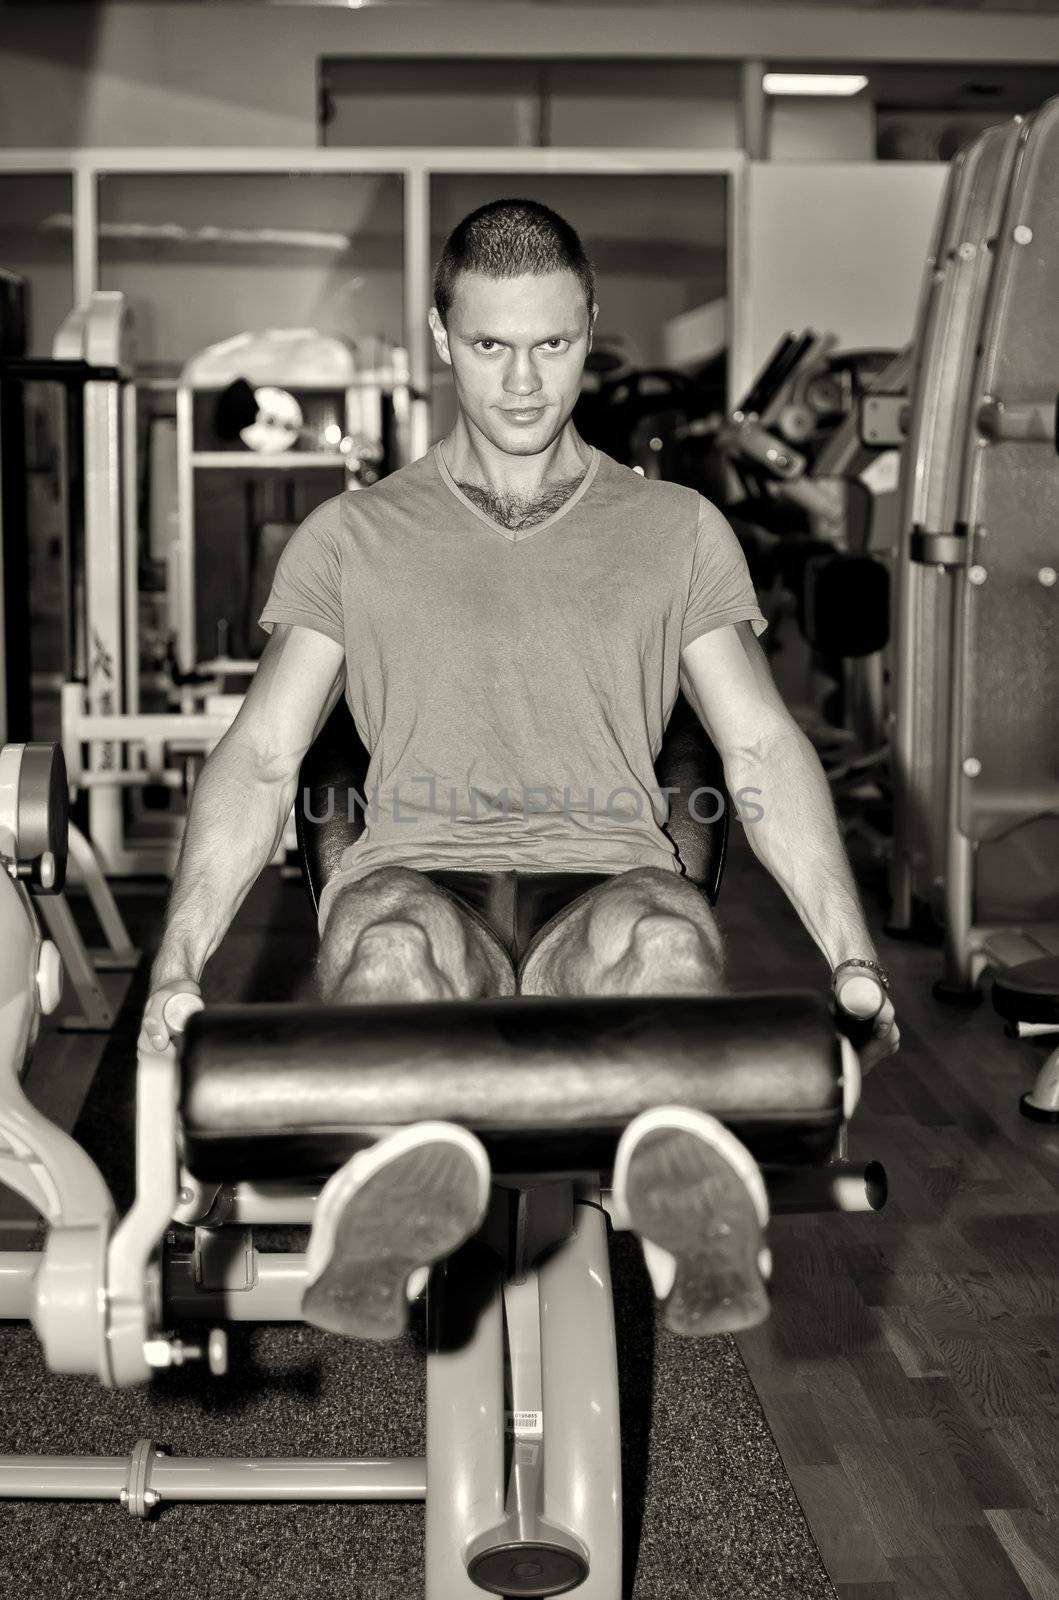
(1028, 992)
(548, 1085)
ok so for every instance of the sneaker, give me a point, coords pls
(697, 1199)
(384, 1218)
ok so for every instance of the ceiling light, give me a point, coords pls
(817, 83)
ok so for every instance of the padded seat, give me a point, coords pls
(271, 1092)
(1029, 992)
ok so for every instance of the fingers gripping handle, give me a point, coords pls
(859, 997)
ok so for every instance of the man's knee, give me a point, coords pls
(394, 934)
(397, 893)
(666, 941)
(657, 929)
(373, 923)
(650, 898)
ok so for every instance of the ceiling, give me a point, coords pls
(1026, 7)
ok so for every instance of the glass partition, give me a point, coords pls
(36, 247)
(36, 243)
(204, 256)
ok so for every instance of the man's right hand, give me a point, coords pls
(167, 1011)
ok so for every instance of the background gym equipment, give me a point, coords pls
(34, 809)
(87, 411)
(640, 417)
(955, 282)
(977, 756)
(340, 419)
(522, 1473)
(808, 479)
(133, 739)
(1026, 997)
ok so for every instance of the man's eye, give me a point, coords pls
(487, 344)
(555, 344)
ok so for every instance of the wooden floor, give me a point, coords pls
(910, 1369)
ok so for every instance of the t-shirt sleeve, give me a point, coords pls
(307, 587)
(721, 590)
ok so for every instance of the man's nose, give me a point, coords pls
(521, 376)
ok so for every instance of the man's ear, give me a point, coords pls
(441, 337)
(592, 315)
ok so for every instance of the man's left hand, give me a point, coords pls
(860, 999)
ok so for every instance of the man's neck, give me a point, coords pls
(521, 480)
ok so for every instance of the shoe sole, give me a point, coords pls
(413, 1206)
(692, 1189)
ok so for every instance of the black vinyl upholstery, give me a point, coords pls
(287, 1091)
(337, 765)
(1028, 992)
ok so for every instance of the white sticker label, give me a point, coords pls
(527, 1424)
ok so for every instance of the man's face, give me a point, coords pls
(517, 349)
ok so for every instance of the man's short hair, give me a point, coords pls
(508, 239)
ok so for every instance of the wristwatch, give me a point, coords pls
(868, 966)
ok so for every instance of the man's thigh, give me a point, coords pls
(639, 931)
(460, 944)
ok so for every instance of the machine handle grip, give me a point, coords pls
(178, 1008)
(858, 999)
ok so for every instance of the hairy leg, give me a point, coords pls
(646, 931)
(394, 935)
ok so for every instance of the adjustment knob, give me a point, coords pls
(217, 1352)
(49, 977)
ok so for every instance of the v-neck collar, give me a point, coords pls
(516, 535)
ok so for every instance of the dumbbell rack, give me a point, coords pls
(355, 406)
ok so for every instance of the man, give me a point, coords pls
(509, 618)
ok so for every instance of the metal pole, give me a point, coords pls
(582, 1444)
(753, 108)
(753, 117)
(417, 301)
(207, 1478)
(278, 1281)
(740, 372)
(86, 234)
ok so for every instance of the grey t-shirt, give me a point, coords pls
(513, 687)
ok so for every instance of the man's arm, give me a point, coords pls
(241, 802)
(727, 679)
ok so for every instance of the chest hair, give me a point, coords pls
(512, 511)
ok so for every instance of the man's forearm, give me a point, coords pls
(793, 830)
(234, 825)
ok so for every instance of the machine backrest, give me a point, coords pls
(337, 762)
